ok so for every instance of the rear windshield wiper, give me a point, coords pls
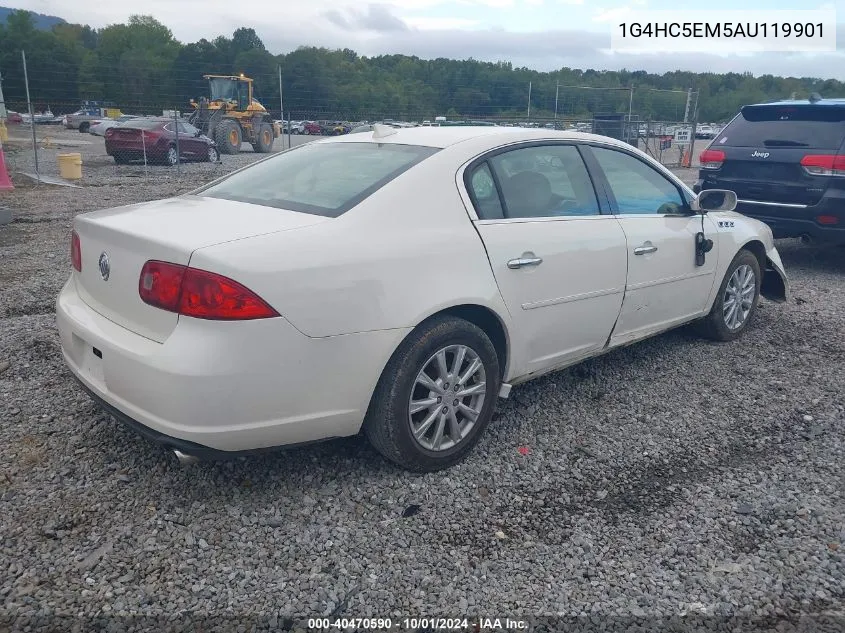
(778, 143)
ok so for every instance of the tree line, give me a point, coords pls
(141, 67)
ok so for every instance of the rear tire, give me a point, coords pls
(228, 137)
(84, 127)
(736, 302)
(263, 139)
(402, 436)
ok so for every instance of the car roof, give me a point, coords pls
(837, 102)
(442, 137)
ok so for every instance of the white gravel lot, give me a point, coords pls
(672, 477)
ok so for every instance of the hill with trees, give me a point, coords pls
(41, 21)
(141, 67)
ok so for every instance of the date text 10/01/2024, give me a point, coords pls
(471, 625)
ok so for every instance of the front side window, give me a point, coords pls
(324, 179)
(544, 181)
(638, 188)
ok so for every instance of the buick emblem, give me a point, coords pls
(105, 266)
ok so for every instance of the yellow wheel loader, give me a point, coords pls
(231, 115)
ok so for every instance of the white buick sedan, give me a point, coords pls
(397, 283)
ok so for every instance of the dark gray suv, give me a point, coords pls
(786, 163)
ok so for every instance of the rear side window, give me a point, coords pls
(817, 127)
(324, 179)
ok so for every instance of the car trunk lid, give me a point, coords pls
(116, 243)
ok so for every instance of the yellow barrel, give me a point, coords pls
(70, 166)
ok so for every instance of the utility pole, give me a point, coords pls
(557, 93)
(528, 116)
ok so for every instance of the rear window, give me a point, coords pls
(817, 127)
(324, 179)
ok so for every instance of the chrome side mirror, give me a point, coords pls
(714, 200)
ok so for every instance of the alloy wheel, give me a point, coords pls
(739, 297)
(447, 397)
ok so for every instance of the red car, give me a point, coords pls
(312, 128)
(14, 117)
(155, 140)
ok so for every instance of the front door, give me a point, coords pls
(665, 287)
(190, 146)
(558, 261)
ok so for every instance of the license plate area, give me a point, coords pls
(91, 362)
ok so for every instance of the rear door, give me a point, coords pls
(759, 156)
(559, 262)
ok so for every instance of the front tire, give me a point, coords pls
(84, 127)
(435, 397)
(228, 137)
(737, 300)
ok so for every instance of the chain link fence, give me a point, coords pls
(81, 143)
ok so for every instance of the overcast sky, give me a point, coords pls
(541, 34)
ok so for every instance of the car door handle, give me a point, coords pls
(645, 249)
(524, 261)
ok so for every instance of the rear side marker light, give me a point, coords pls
(824, 165)
(711, 159)
(827, 219)
(75, 252)
(199, 293)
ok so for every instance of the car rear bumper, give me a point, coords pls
(793, 220)
(224, 388)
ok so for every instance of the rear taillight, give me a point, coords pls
(75, 252)
(711, 159)
(199, 293)
(824, 164)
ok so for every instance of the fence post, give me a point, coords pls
(144, 148)
(528, 113)
(282, 107)
(31, 117)
(3, 112)
(178, 153)
(692, 133)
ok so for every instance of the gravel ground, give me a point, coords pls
(672, 477)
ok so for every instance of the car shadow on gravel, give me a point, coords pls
(812, 257)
